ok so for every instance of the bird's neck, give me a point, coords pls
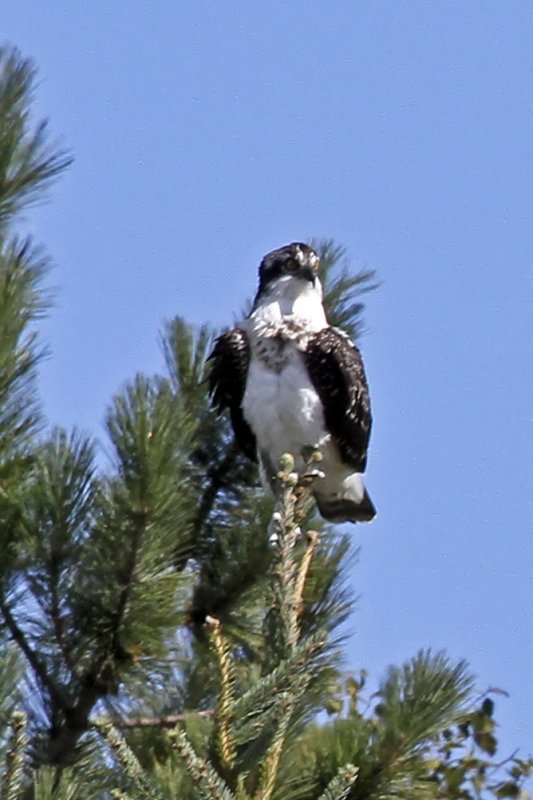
(291, 299)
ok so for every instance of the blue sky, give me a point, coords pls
(206, 134)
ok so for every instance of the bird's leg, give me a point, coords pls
(269, 472)
(311, 455)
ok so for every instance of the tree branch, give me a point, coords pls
(217, 476)
(94, 683)
(163, 721)
(38, 666)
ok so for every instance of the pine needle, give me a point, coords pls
(223, 713)
(270, 768)
(14, 770)
(339, 788)
(265, 701)
(28, 162)
(128, 760)
(312, 541)
(289, 578)
(209, 783)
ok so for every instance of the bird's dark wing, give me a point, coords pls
(336, 370)
(227, 381)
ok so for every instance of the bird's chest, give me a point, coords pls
(278, 344)
(277, 353)
(280, 402)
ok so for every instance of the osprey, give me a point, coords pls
(293, 383)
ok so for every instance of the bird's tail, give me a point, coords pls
(351, 504)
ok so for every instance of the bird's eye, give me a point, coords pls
(291, 265)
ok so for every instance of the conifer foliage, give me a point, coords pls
(165, 631)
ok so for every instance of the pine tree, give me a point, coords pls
(166, 631)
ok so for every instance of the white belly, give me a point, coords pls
(283, 408)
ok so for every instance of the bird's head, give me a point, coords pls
(294, 262)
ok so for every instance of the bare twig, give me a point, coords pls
(163, 721)
(312, 541)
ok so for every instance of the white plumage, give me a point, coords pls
(280, 402)
(282, 407)
(293, 384)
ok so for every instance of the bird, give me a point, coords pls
(292, 383)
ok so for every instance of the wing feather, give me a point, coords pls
(230, 359)
(336, 370)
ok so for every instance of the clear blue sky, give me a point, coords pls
(206, 134)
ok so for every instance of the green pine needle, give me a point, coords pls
(128, 761)
(28, 162)
(21, 303)
(418, 700)
(11, 788)
(343, 288)
(225, 742)
(270, 765)
(340, 786)
(210, 784)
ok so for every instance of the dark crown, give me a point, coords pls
(297, 259)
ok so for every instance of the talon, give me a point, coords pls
(311, 476)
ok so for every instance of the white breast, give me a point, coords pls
(282, 407)
(290, 299)
(280, 403)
